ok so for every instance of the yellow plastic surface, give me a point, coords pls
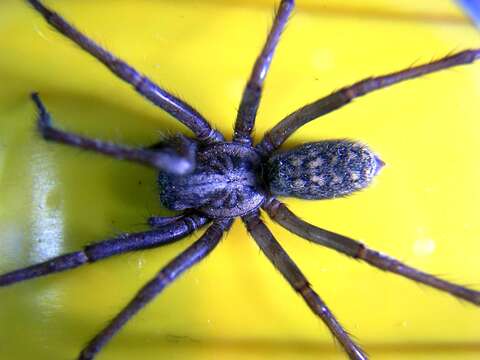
(422, 209)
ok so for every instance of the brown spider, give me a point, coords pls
(214, 181)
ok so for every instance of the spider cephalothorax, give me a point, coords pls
(214, 181)
(226, 182)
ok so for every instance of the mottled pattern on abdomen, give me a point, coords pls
(322, 170)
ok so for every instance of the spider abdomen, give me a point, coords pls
(322, 170)
(225, 183)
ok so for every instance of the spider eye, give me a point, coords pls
(322, 170)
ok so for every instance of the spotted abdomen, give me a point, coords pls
(322, 170)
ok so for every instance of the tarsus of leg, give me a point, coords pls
(345, 245)
(143, 85)
(172, 159)
(290, 271)
(274, 138)
(192, 255)
(124, 243)
(252, 93)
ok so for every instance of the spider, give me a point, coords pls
(213, 181)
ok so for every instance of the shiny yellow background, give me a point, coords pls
(423, 208)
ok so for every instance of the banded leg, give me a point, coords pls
(179, 158)
(280, 259)
(101, 250)
(280, 132)
(192, 255)
(280, 213)
(253, 90)
(144, 86)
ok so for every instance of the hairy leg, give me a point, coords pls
(280, 132)
(280, 259)
(192, 255)
(253, 90)
(159, 221)
(144, 86)
(179, 158)
(124, 243)
(280, 213)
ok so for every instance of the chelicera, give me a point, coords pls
(213, 181)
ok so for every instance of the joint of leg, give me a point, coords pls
(266, 146)
(378, 259)
(46, 131)
(37, 5)
(252, 220)
(242, 139)
(272, 205)
(126, 72)
(193, 222)
(211, 137)
(361, 88)
(90, 255)
(152, 221)
(159, 221)
(253, 90)
(67, 261)
(191, 225)
(304, 289)
(362, 252)
(221, 225)
(44, 121)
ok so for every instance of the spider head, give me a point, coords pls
(225, 182)
(322, 170)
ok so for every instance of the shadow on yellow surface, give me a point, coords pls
(422, 208)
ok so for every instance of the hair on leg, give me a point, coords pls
(280, 213)
(143, 85)
(283, 263)
(124, 243)
(275, 137)
(252, 93)
(192, 255)
(167, 159)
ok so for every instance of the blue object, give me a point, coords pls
(472, 9)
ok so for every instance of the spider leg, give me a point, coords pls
(253, 90)
(177, 159)
(280, 259)
(101, 250)
(282, 131)
(159, 221)
(179, 146)
(192, 255)
(144, 86)
(280, 213)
